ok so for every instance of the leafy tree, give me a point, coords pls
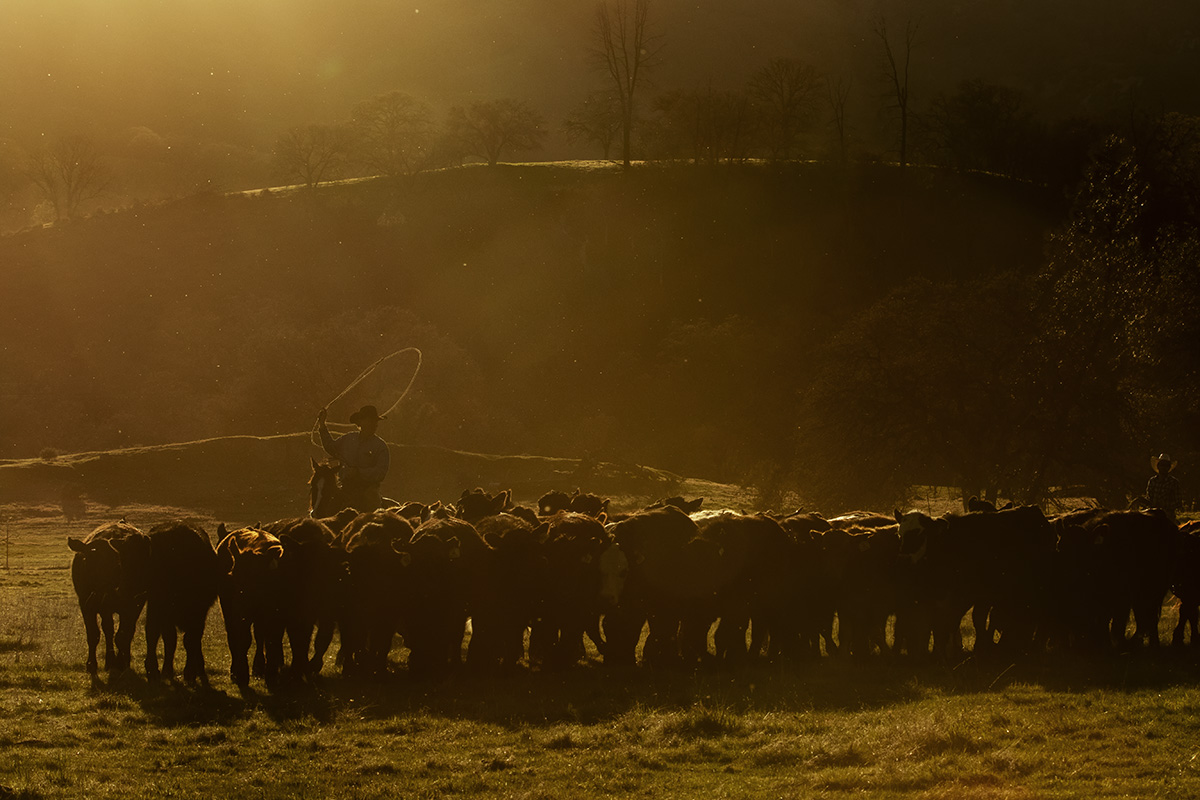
(394, 132)
(313, 153)
(1168, 155)
(68, 173)
(597, 119)
(1093, 298)
(923, 387)
(626, 45)
(785, 93)
(489, 129)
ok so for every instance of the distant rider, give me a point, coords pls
(1163, 489)
(363, 456)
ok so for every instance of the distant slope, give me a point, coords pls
(247, 476)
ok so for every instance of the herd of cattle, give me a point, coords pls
(528, 585)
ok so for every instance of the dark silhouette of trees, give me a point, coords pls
(626, 46)
(491, 128)
(924, 388)
(989, 128)
(705, 127)
(393, 134)
(837, 94)
(310, 154)
(785, 92)
(896, 64)
(1093, 296)
(68, 173)
(597, 119)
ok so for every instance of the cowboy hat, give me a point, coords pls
(1159, 458)
(366, 412)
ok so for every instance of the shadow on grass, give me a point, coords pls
(596, 694)
(18, 646)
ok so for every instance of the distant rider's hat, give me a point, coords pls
(1163, 458)
(366, 412)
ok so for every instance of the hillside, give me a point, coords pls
(561, 311)
(252, 477)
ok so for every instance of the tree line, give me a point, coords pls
(787, 109)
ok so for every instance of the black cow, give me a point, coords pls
(671, 581)
(751, 583)
(1112, 563)
(110, 572)
(811, 592)
(997, 565)
(505, 598)
(1186, 583)
(313, 577)
(445, 567)
(475, 504)
(585, 576)
(370, 614)
(182, 588)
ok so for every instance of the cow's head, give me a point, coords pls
(916, 531)
(99, 561)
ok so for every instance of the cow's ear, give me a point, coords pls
(603, 518)
(76, 545)
(542, 532)
(899, 516)
(313, 461)
(222, 531)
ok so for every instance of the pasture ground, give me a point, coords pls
(1059, 726)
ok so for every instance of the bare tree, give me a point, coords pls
(312, 153)
(597, 119)
(489, 129)
(785, 91)
(838, 93)
(895, 68)
(626, 46)
(394, 132)
(68, 173)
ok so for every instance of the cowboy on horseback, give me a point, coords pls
(363, 457)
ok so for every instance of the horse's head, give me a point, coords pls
(322, 487)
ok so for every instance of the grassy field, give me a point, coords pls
(1118, 726)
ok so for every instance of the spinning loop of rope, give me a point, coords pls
(314, 435)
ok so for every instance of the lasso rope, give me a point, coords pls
(314, 435)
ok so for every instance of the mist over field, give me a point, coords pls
(997, 296)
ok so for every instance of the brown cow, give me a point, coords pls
(251, 596)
